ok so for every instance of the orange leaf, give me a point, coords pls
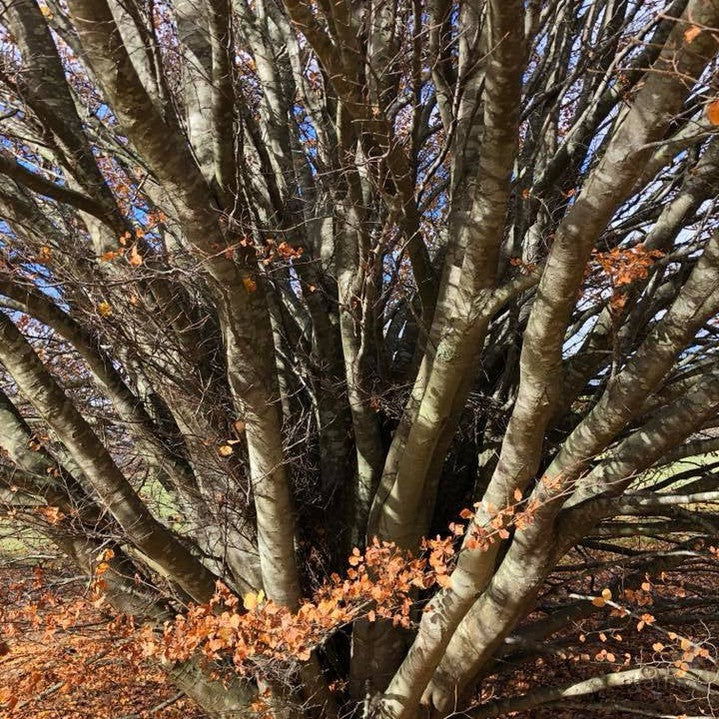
(135, 257)
(250, 601)
(713, 112)
(444, 581)
(691, 33)
(105, 309)
(249, 283)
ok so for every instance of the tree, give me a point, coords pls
(279, 278)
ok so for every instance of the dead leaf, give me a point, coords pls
(691, 33)
(713, 112)
(249, 283)
(135, 258)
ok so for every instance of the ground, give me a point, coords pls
(60, 660)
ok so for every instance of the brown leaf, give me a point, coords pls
(713, 112)
(105, 309)
(250, 601)
(691, 33)
(249, 283)
(135, 258)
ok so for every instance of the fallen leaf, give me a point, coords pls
(250, 601)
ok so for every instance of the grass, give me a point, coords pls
(651, 477)
(20, 542)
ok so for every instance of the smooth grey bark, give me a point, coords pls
(360, 281)
(244, 318)
(613, 680)
(36, 384)
(467, 300)
(541, 360)
(534, 551)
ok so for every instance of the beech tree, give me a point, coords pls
(280, 277)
